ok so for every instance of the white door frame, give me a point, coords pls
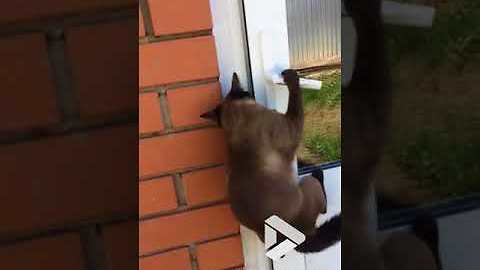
(232, 53)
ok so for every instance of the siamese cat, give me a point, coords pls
(366, 104)
(261, 180)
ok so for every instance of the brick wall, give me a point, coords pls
(185, 221)
(68, 134)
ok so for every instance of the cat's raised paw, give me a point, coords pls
(290, 76)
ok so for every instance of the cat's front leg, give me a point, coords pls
(295, 99)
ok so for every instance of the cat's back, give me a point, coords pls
(250, 124)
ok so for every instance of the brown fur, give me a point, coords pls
(262, 144)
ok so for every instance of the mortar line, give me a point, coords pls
(62, 76)
(31, 135)
(176, 85)
(84, 19)
(192, 251)
(147, 19)
(175, 36)
(165, 111)
(163, 251)
(92, 244)
(182, 171)
(7, 239)
(180, 190)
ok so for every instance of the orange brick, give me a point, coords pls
(21, 10)
(178, 259)
(67, 179)
(104, 67)
(179, 60)
(121, 242)
(141, 26)
(222, 254)
(185, 228)
(156, 196)
(28, 96)
(205, 185)
(187, 104)
(150, 116)
(179, 16)
(55, 253)
(181, 150)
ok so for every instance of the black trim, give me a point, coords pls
(405, 217)
(250, 86)
(324, 166)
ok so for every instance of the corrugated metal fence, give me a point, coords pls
(314, 32)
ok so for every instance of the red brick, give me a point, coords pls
(20, 10)
(64, 180)
(179, 60)
(205, 185)
(185, 228)
(222, 254)
(104, 67)
(150, 116)
(141, 26)
(55, 253)
(187, 104)
(181, 150)
(121, 242)
(28, 95)
(170, 17)
(178, 259)
(156, 196)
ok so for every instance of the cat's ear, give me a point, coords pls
(236, 87)
(213, 115)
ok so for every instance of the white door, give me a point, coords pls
(295, 34)
(252, 39)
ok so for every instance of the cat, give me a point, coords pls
(366, 105)
(261, 180)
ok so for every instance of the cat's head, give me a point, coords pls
(236, 93)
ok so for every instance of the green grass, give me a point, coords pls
(441, 157)
(325, 145)
(442, 162)
(454, 36)
(329, 95)
(322, 141)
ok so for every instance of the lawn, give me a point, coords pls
(435, 137)
(322, 141)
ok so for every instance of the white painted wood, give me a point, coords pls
(232, 55)
(231, 43)
(292, 261)
(329, 259)
(268, 41)
(254, 251)
(268, 44)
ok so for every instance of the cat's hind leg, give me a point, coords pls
(313, 203)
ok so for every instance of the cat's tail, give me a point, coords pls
(326, 235)
(426, 228)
